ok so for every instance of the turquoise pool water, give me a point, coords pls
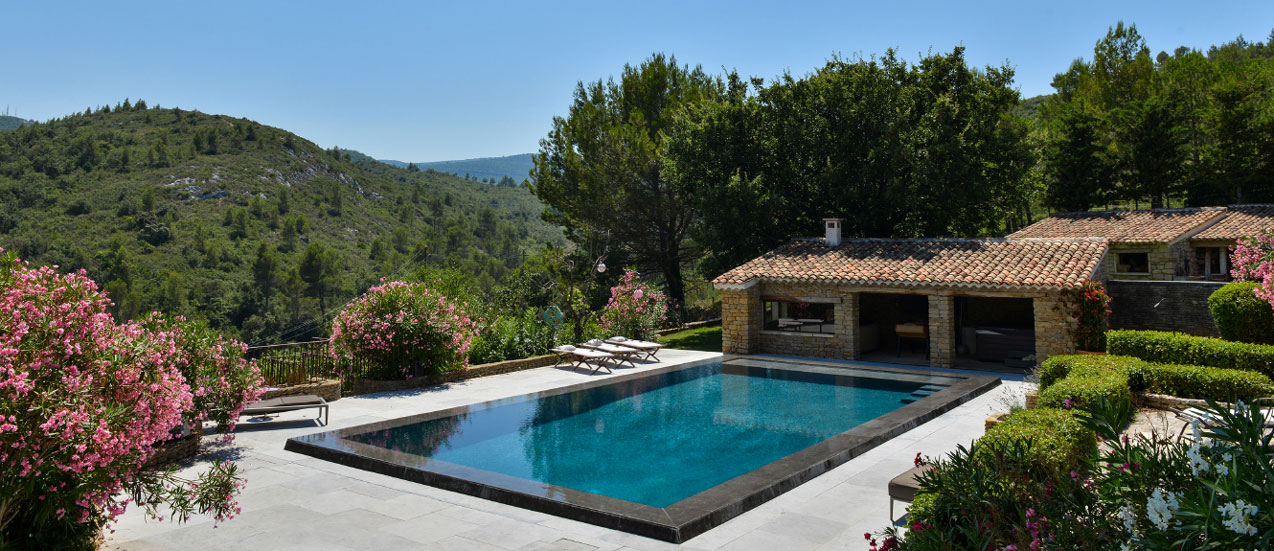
(657, 440)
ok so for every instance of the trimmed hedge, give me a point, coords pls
(1058, 438)
(1198, 381)
(1055, 368)
(1082, 378)
(1163, 347)
(1085, 384)
(1240, 316)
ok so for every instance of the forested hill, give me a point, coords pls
(511, 169)
(8, 122)
(252, 227)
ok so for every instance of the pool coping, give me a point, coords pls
(676, 523)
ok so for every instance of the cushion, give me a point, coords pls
(594, 342)
(268, 403)
(565, 348)
(904, 486)
(302, 400)
(618, 339)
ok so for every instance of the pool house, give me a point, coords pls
(979, 303)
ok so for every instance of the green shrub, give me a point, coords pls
(1055, 368)
(1059, 439)
(1198, 381)
(1163, 347)
(1240, 316)
(1085, 385)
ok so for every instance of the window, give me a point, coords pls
(800, 317)
(1133, 263)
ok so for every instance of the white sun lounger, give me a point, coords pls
(622, 354)
(646, 347)
(583, 357)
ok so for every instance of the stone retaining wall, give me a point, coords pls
(1182, 306)
(328, 389)
(369, 386)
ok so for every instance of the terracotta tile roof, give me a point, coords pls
(1127, 226)
(1240, 221)
(944, 263)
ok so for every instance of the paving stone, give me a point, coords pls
(807, 527)
(428, 528)
(509, 533)
(406, 507)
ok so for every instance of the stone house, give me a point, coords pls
(1210, 248)
(1161, 244)
(959, 301)
(1148, 245)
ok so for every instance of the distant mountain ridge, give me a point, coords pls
(8, 122)
(251, 227)
(516, 167)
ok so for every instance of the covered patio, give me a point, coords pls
(990, 304)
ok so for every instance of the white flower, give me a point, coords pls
(1238, 512)
(1198, 464)
(1222, 469)
(1129, 519)
(1227, 457)
(1160, 507)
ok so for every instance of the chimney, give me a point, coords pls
(833, 230)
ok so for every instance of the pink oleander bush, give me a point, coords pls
(83, 401)
(635, 309)
(401, 330)
(222, 381)
(1253, 260)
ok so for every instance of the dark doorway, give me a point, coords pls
(995, 330)
(882, 316)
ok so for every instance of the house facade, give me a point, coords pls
(1161, 244)
(944, 302)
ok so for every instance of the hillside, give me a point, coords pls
(8, 122)
(514, 167)
(249, 226)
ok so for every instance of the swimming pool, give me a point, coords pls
(666, 453)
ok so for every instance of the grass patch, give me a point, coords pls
(707, 339)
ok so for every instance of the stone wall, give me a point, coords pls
(1053, 327)
(1163, 259)
(1182, 306)
(368, 386)
(328, 389)
(739, 331)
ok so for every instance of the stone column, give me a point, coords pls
(941, 330)
(740, 320)
(847, 314)
(1053, 328)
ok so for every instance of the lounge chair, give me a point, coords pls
(583, 357)
(623, 354)
(646, 347)
(1209, 419)
(904, 487)
(288, 403)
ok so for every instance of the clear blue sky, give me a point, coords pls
(421, 82)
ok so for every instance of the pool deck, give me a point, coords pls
(293, 501)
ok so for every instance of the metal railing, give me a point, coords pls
(294, 363)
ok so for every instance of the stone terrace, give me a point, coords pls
(297, 502)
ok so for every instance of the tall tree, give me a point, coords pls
(599, 169)
(1079, 171)
(894, 149)
(319, 269)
